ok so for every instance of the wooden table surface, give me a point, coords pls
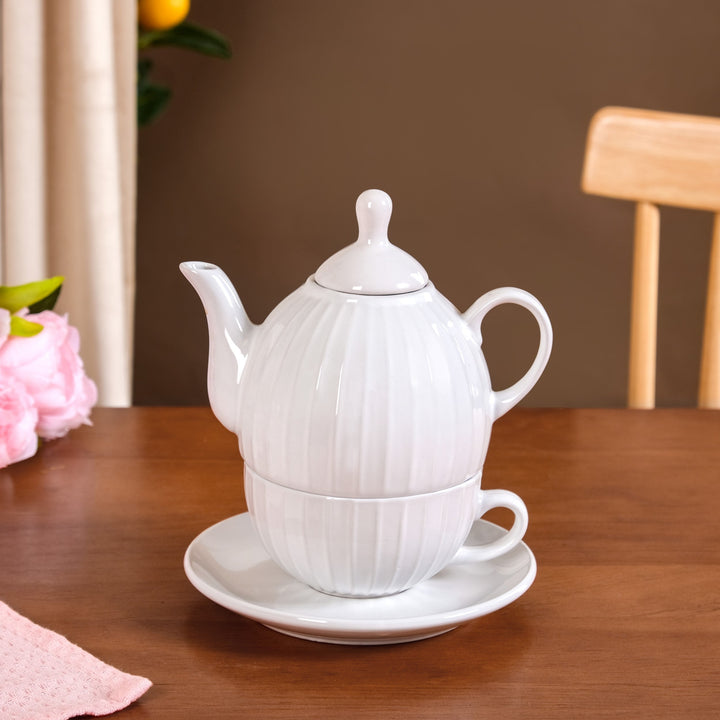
(623, 620)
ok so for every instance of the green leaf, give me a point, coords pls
(47, 303)
(151, 101)
(147, 38)
(24, 328)
(14, 298)
(188, 36)
(144, 67)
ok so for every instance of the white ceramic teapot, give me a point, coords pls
(365, 382)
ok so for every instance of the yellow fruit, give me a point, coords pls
(162, 14)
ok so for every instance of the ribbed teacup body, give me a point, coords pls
(360, 547)
(364, 396)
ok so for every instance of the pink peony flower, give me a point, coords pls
(49, 366)
(18, 417)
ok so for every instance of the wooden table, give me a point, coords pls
(623, 620)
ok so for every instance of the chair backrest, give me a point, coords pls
(657, 158)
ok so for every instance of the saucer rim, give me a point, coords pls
(351, 630)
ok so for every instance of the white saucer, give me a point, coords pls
(228, 564)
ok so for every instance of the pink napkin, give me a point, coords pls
(43, 676)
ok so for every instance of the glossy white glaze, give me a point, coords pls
(372, 265)
(361, 547)
(365, 396)
(359, 395)
(228, 564)
(230, 332)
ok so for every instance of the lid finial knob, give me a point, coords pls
(373, 209)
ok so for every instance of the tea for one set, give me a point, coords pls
(363, 409)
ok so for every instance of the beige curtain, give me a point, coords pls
(68, 169)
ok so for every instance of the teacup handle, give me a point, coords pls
(487, 500)
(503, 400)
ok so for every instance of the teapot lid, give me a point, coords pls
(372, 265)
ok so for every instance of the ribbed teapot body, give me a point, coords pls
(364, 396)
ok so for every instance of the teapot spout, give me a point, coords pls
(229, 330)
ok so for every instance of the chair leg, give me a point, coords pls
(709, 392)
(643, 319)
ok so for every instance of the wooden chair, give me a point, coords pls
(658, 158)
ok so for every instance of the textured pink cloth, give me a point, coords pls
(43, 676)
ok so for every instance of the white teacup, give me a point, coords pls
(365, 547)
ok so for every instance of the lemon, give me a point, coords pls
(162, 14)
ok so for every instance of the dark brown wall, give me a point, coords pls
(473, 117)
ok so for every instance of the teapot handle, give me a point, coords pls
(503, 400)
